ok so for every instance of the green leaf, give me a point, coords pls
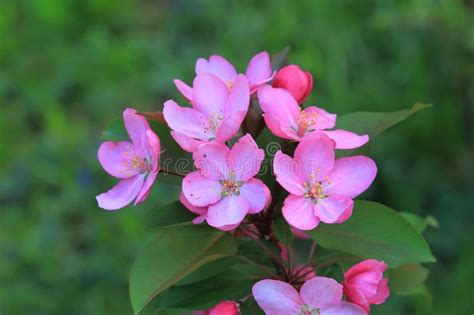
(407, 279)
(176, 252)
(171, 214)
(209, 270)
(372, 123)
(115, 131)
(375, 231)
(282, 230)
(280, 59)
(419, 223)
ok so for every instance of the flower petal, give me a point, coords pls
(277, 297)
(257, 194)
(186, 143)
(146, 188)
(115, 158)
(332, 208)
(273, 123)
(315, 155)
(321, 292)
(239, 97)
(230, 126)
(121, 194)
(184, 89)
(218, 66)
(197, 210)
(200, 191)
(298, 212)
(211, 160)
(245, 158)
(209, 95)
(322, 119)
(280, 104)
(259, 69)
(186, 121)
(351, 176)
(136, 126)
(346, 140)
(229, 211)
(289, 174)
(345, 308)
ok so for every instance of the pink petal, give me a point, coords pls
(382, 292)
(146, 188)
(186, 143)
(298, 212)
(230, 126)
(239, 98)
(346, 140)
(322, 119)
(184, 89)
(115, 158)
(289, 174)
(121, 194)
(136, 126)
(332, 208)
(354, 295)
(152, 146)
(273, 123)
(280, 104)
(351, 176)
(315, 155)
(277, 297)
(197, 210)
(186, 121)
(259, 69)
(321, 292)
(245, 158)
(200, 191)
(345, 308)
(231, 210)
(209, 95)
(257, 195)
(364, 266)
(211, 160)
(218, 66)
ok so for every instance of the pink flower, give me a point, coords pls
(224, 189)
(319, 295)
(221, 308)
(321, 188)
(216, 113)
(259, 71)
(135, 163)
(296, 81)
(287, 120)
(364, 283)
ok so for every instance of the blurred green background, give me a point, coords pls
(67, 67)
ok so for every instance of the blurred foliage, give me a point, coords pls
(67, 67)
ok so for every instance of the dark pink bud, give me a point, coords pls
(225, 308)
(296, 81)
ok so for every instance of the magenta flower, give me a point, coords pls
(216, 113)
(135, 163)
(319, 295)
(321, 188)
(221, 308)
(296, 81)
(224, 189)
(285, 119)
(364, 283)
(259, 71)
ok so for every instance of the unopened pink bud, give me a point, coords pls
(225, 308)
(296, 81)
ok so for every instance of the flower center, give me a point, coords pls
(314, 191)
(305, 122)
(305, 310)
(213, 122)
(230, 186)
(136, 163)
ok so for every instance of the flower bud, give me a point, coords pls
(225, 308)
(296, 81)
(364, 283)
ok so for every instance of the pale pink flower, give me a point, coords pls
(296, 81)
(321, 188)
(135, 163)
(285, 119)
(216, 113)
(364, 283)
(319, 295)
(223, 190)
(221, 308)
(259, 71)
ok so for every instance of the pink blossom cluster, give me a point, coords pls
(224, 190)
